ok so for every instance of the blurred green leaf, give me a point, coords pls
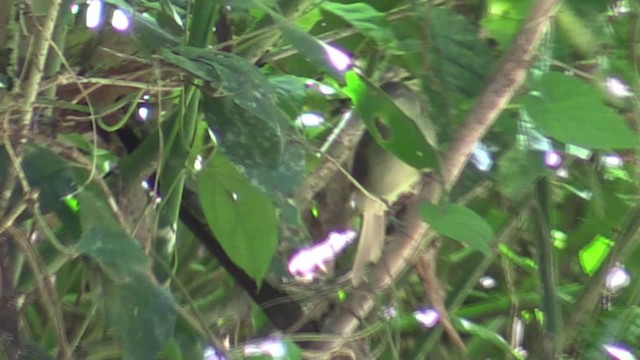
(573, 112)
(312, 49)
(143, 315)
(592, 254)
(459, 223)
(405, 139)
(240, 215)
(117, 254)
(517, 170)
(367, 20)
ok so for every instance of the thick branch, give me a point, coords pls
(508, 77)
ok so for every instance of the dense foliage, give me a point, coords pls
(178, 179)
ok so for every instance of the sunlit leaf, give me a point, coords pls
(592, 254)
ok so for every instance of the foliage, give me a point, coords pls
(207, 103)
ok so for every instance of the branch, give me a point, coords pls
(508, 77)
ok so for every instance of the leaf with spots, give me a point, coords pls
(256, 147)
(232, 76)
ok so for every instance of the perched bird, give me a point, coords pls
(384, 176)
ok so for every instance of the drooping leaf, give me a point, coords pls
(573, 112)
(405, 139)
(143, 315)
(367, 20)
(117, 254)
(459, 223)
(240, 215)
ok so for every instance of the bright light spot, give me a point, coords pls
(389, 312)
(212, 354)
(529, 137)
(552, 159)
(341, 61)
(518, 331)
(234, 196)
(197, 165)
(320, 87)
(310, 119)
(146, 97)
(272, 347)
(145, 185)
(617, 279)
(621, 8)
(617, 88)
(488, 282)
(614, 161)
(94, 14)
(481, 157)
(618, 352)
(306, 264)
(522, 352)
(120, 20)
(143, 113)
(563, 173)
(578, 151)
(74, 8)
(427, 317)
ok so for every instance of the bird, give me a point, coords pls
(385, 177)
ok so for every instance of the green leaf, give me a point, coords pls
(517, 170)
(239, 214)
(367, 20)
(592, 254)
(405, 139)
(459, 223)
(312, 49)
(256, 147)
(117, 254)
(143, 315)
(574, 112)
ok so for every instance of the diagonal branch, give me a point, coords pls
(508, 77)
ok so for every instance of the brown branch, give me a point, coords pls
(508, 77)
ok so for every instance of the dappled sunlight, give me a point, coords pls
(120, 20)
(618, 352)
(427, 317)
(94, 14)
(308, 263)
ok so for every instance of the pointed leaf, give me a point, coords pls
(460, 223)
(240, 215)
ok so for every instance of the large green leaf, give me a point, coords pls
(459, 223)
(240, 215)
(574, 112)
(405, 139)
(367, 20)
(143, 315)
(117, 254)
(256, 147)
